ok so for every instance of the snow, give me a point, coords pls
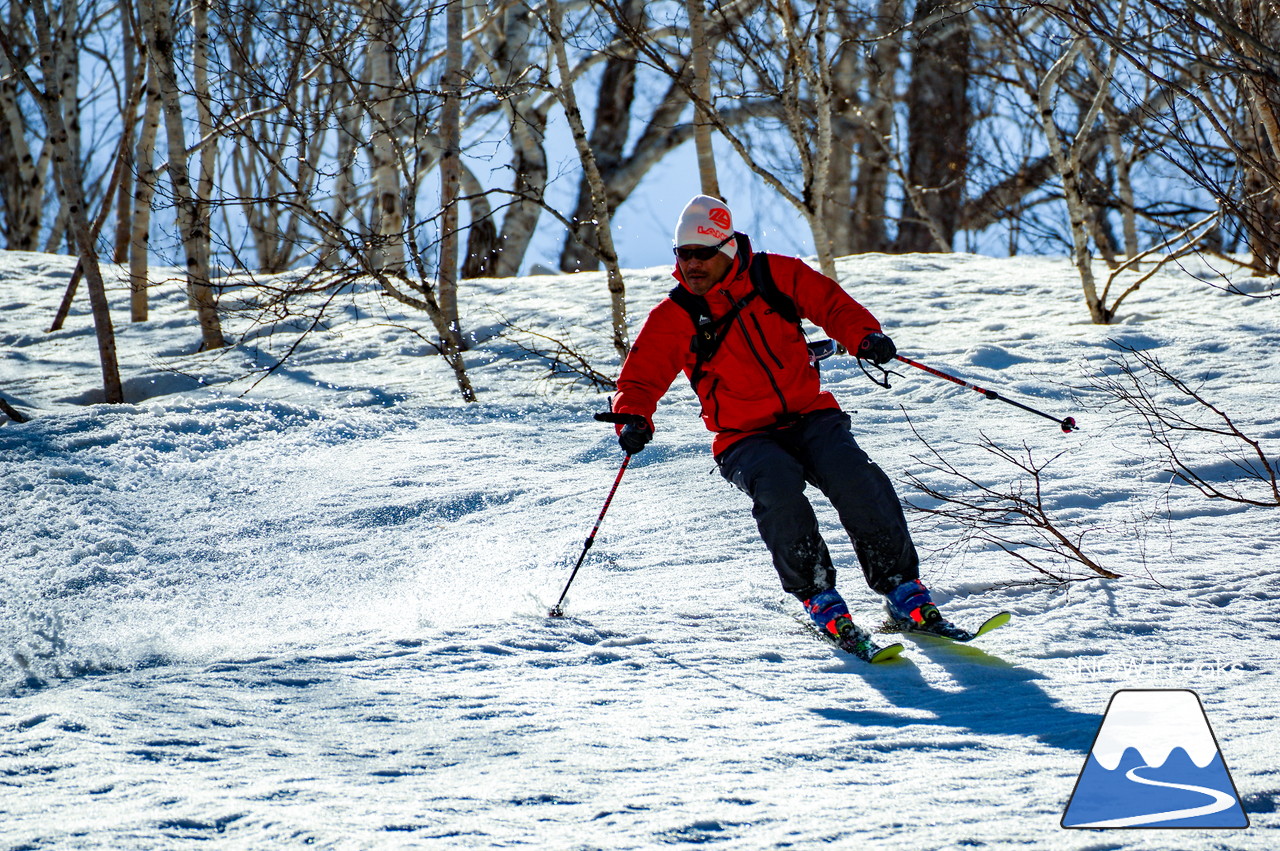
(309, 608)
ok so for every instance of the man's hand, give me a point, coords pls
(877, 348)
(635, 433)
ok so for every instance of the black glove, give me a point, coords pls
(635, 434)
(877, 348)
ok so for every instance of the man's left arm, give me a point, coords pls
(824, 302)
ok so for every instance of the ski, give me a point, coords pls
(862, 646)
(947, 630)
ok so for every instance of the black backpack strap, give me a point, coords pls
(709, 333)
(762, 280)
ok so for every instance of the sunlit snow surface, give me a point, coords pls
(315, 614)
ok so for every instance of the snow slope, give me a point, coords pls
(312, 610)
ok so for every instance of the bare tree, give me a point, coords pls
(1071, 169)
(517, 71)
(53, 101)
(192, 222)
(938, 120)
(144, 187)
(1013, 516)
(599, 199)
(380, 76)
(611, 127)
(23, 171)
(451, 166)
(782, 73)
(1200, 444)
(700, 66)
(1216, 59)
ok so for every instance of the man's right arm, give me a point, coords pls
(659, 353)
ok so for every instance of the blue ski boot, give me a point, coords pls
(911, 609)
(831, 617)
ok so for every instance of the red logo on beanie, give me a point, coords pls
(720, 216)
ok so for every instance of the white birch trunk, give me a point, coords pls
(25, 204)
(816, 157)
(70, 183)
(604, 226)
(195, 242)
(1069, 162)
(388, 217)
(204, 121)
(144, 188)
(701, 67)
(451, 169)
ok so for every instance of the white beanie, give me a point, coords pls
(706, 221)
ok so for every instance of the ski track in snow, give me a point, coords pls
(315, 615)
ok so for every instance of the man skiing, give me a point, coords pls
(731, 326)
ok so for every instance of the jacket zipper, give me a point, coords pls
(765, 342)
(782, 400)
(714, 403)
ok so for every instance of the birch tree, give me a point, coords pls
(938, 120)
(53, 102)
(700, 66)
(1216, 61)
(144, 187)
(1069, 161)
(599, 201)
(380, 74)
(192, 225)
(24, 170)
(451, 167)
(608, 139)
(517, 71)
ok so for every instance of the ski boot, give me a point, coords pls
(911, 609)
(831, 617)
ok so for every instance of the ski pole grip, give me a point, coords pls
(622, 419)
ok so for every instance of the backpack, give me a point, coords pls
(709, 333)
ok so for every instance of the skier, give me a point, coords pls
(733, 330)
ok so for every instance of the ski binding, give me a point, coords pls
(947, 630)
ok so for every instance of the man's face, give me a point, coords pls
(702, 275)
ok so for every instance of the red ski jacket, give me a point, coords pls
(761, 376)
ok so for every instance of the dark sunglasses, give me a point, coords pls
(702, 252)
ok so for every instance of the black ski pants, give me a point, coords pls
(773, 468)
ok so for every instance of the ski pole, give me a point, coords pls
(1067, 424)
(556, 611)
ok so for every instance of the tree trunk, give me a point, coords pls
(1069, 161)
(600, 203)
(133, 70)
(937, 128)
(11, 412)
(70, 182)
(869, 226)
(450, 170)
(204, 123)
(608, 139)
(482, 232)
(22, 173)
(144, 190)
(509, 61)
(380, 70)
(700, 54)
(195, 241)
